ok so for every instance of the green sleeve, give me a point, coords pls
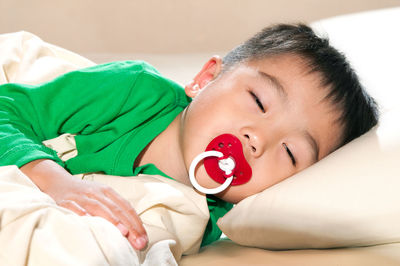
(78, 102)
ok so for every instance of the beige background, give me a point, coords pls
(159, 26)
(181, 33)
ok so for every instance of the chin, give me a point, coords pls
(231, 194)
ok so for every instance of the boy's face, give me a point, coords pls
(276, 109)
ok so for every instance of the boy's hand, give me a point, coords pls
(91, 198)
(87, 198)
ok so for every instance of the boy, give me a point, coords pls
(289, 97)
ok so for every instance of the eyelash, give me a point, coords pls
(260, 105)
(290, 154)
(258, 102)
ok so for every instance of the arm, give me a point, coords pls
(31, 114)
(83, 102)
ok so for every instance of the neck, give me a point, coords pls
(165, 152)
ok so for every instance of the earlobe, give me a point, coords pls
(209, 72)
(192, 89)
(196, 88)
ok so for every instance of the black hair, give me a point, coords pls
(359, 111)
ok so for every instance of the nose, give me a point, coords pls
(252, 142)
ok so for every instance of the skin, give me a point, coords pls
(267, 120)
(242, 101)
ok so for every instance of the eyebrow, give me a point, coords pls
(275, 83)
(314, 145)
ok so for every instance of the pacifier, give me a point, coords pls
(224, 162)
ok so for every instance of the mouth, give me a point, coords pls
(233, 157)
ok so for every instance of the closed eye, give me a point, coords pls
(290, 154)
(258, 102)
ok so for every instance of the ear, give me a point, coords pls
(209, 72)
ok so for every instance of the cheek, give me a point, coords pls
(271, 171)
(262, 178)
(209, 119)
(204, 179)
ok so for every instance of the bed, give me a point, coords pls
(341, 211)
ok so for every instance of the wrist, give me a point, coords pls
(45, 173)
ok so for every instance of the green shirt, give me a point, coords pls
(115, 109)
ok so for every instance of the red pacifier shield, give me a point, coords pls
(229, 146)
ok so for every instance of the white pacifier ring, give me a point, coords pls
(226, 166)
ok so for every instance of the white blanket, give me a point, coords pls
(35, 231)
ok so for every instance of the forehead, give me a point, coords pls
(289, 64)
(287, 67)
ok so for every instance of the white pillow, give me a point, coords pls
(25, 58)
(350, 198)
(371, 41)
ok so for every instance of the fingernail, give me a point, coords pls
(141, 241)
(122, 228)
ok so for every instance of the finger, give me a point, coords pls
(73, 206)
(97, 208)
(138, 243)
(122, 228)
(118, 213)
(119, 206)
(134, 221)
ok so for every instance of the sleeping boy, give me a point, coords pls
(273, 106)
